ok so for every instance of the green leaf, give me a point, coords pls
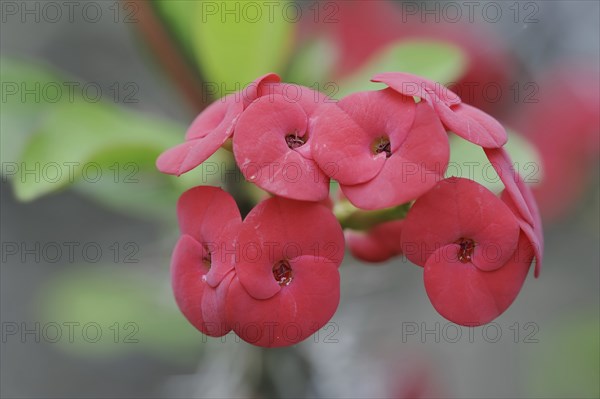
(104, 151)
(24, 107)
(313, 64)
(468, 160)
(107, 153)
(438, 61)
(75, 143)
(234, 48)
(141, 304)
(136, 188)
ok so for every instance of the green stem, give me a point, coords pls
(354, 218)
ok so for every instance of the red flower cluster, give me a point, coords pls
(273, 277)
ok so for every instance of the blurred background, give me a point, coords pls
(93, 91)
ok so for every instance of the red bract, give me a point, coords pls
(520, 198)
(210, 130)
(466, 121)
(201, 271)
(474, 255)
(378, 244)
(287, 282)
(272, 143)
(386, 150)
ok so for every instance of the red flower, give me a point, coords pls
(287, 282)
(363, 29)
(211, 129)
(474, 254)
(386, 149)
(570, 159)
(378, 244)
(466, 121)
(201, 271)
(272, 143)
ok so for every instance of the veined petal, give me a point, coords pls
(413, 85)
(472, 124)
(266, 159)
(347, 133)
(188, 273)
(211, 216)
(415, 165)
(297, 311)
(280, 229)
(468, 296)
(457, 209)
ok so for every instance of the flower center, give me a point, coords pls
(294, 141)
(282, 272)
(465, 252)
(382, 144)
(207, 259)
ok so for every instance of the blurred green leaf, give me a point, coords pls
(313, 63)
(82, 141)
(438, 61)
(23, 108)
(104, 151)
(134, 311)
(468, 160)
(235, 48)
(144, 192)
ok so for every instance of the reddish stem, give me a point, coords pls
(168, 54)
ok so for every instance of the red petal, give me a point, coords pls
(211, 128)
(211, 216)
(345, 133)
(255, 89)
(472, 124)
(413, 85)
(190, 288)
(189, 154)
(292, 315)
(341, 148)
(262, 154)
(214, 311)
(278, 229)
(460, 208)
(379, 244)
(534, 235)
(218, 118)
(308, 99)
(502, 163)
(464, 294)
(538, 232)
(417, 163)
